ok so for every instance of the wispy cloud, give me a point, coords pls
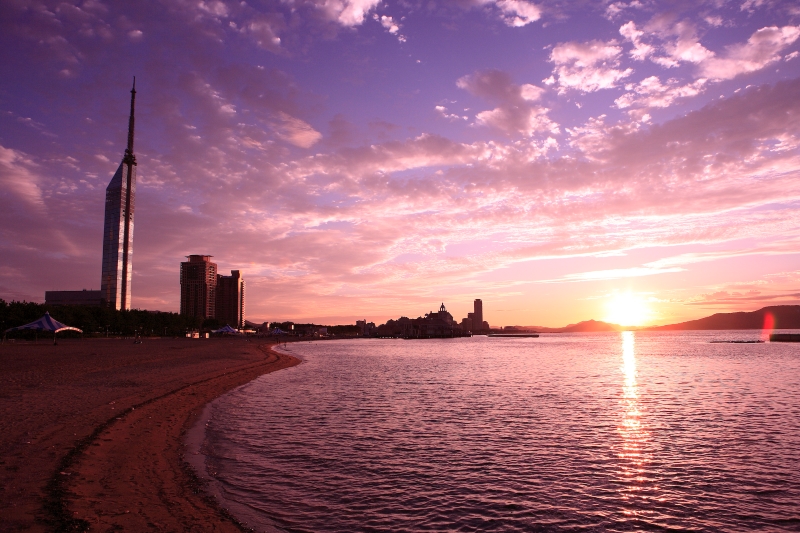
(616, 273)
(19, 181)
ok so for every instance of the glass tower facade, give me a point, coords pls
(115, 285)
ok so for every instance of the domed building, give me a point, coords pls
(442, 315)
(436, 324)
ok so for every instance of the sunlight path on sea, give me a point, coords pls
(636, 481)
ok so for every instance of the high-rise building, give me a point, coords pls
(477, 319)
(198, 286)
(115, 284)
(230, 299)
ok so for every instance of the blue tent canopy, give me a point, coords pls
(226, 330)
(277, 331)
(46, 323)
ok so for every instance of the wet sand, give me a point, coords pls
(91, 432)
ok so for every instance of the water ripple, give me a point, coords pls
(611, 432)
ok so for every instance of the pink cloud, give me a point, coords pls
(214, 8)
(641, 50)
(347, 12)
(761, 49)
(296, 131)
(615, 9)
(518, 13)
(514, 13)
(516, 113)
(19, 181)
(266, 31)
(588, 66)
(391, 25)
(779, 288)
(650, 92)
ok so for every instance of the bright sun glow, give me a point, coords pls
(627, 309)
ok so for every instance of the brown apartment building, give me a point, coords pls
(207, 294)
(230, 299)
(199, 287)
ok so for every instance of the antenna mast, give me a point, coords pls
(129, 157)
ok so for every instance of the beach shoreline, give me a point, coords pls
(92, 433)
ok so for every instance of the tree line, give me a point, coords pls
(98, 321)
(102, 321)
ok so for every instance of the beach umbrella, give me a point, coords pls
(46, 323)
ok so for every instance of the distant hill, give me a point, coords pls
(786, 317)
(591, 326)
(586, 326)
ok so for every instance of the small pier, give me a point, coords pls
(784, 337)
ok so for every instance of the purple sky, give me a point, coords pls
(362, 159)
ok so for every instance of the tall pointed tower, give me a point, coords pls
(115, 285)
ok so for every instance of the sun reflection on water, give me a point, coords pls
(634, 435)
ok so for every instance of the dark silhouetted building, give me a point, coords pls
(366, 327)
(230, 299)
(433, 325)
(439, 324)
(115, 283)
(198, 287)
(84, 297)
(477, 316)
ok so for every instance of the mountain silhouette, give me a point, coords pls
(784, 317)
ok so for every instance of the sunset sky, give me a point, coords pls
(366, 159)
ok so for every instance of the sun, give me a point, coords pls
(627, 309)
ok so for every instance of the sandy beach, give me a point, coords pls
(91, 432)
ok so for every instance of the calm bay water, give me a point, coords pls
(606, 432)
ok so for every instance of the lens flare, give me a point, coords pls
(769, 325)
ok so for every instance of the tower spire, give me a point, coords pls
(129, 157)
